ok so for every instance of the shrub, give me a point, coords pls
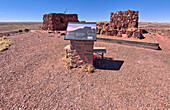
(4, 43)
(4, 37)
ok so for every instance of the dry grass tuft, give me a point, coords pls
(67, 60)
(68, 55)
(88, 68)
(4, 43)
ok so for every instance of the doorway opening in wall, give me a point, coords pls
(61, 20)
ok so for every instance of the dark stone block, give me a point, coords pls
(26, 30)
(78, 47)
(129, 33)
(20, 31)
(62, 34)
(113, 33)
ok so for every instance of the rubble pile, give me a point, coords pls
(122, 24)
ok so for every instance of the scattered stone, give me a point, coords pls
(83, 21)
(26, 30)
(20, 31)
(62, 34)
(51, 36)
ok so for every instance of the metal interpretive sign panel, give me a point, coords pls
(81, 31)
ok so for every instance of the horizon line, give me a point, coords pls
(20, 21)
(87, 21)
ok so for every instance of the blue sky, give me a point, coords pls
(87, 10)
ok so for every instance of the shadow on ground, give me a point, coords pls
(108, 64)
(144, 31)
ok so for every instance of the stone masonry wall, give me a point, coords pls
(81, 52)
(58, 21)
(124, 19)
(122, 24)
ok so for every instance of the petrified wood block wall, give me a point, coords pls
(58, 21)
(81, 52)
(122, 24)
(124, 19)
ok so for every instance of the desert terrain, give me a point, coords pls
(15, 26)
(33, 76)
(160, 28)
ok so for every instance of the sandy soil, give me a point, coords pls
(33, 76)
(164, 41)
(159, 28)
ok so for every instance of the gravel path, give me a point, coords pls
(33, 76)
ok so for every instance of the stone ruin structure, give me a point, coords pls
(122, 24)
(58, 21)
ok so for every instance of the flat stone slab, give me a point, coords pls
(99, 49)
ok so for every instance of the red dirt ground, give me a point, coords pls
(33, 76)
(163, 40)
